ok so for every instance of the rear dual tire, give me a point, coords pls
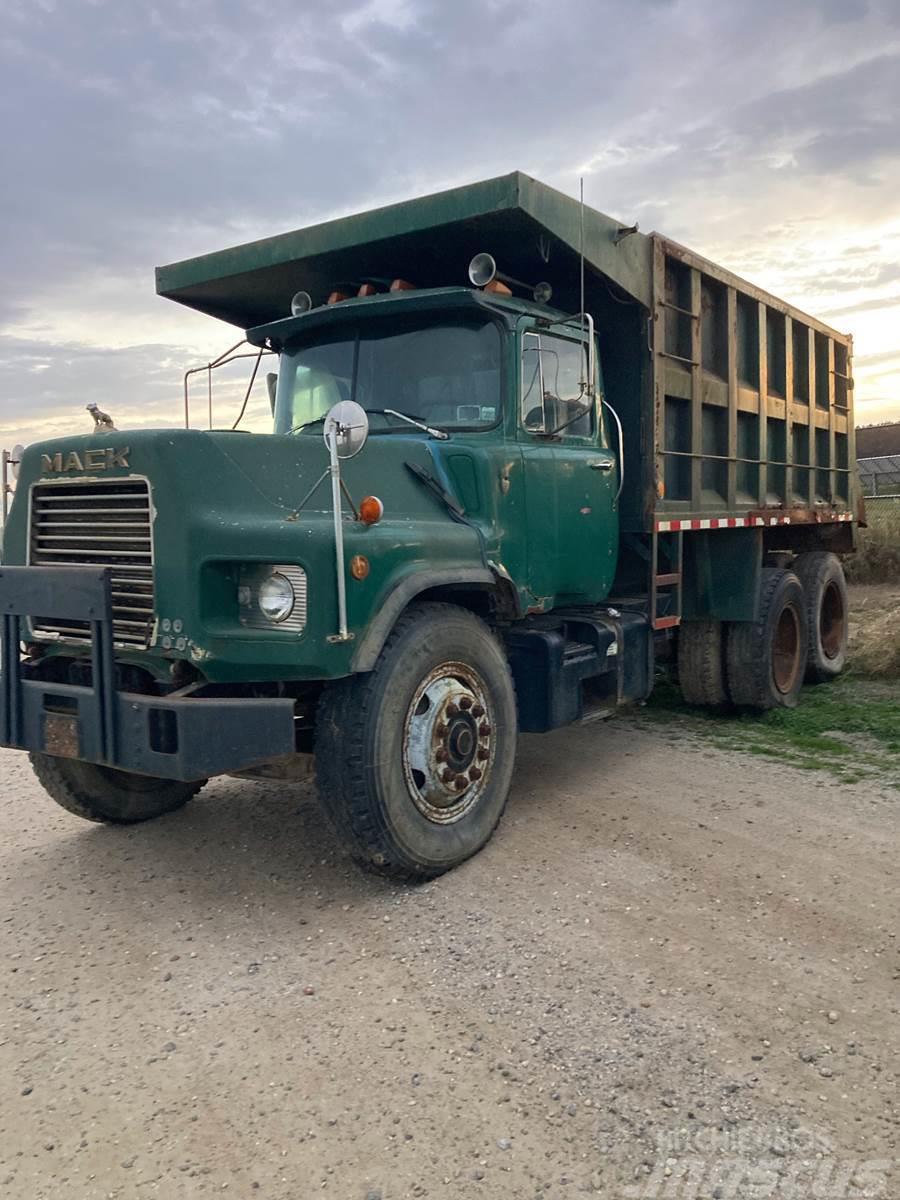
(701, 669)
(801, 634)
(827, 608)
(765, 659)
(750, 664)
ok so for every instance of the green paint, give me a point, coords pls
(428, 240)
(225, 500)
(536, 518)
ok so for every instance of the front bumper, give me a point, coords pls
(181, 736)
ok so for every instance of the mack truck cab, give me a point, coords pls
(452, 534)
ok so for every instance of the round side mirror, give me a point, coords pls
(15, 459)
(348, 426)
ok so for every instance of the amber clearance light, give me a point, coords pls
(371, 510)
(359, 566)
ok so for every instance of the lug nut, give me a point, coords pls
(441, 755)
(448, 776)
(465, 702)
(484, 729)
(478, 711)
(474, 774)
(452, 710)
(441, 730)
(461, 782)
(483, 753)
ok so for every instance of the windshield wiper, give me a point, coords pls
(437, 487)
(440, 434)
(306, 424)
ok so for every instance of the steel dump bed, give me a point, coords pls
(736, 406)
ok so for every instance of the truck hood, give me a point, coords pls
(243, 470)
(219, 500)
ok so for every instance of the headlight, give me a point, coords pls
(273, 594)
(275, 598)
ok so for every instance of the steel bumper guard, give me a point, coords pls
(175, 737)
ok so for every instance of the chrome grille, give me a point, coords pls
(98, 523)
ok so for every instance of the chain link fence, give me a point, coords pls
(883, 513)
(880, 476)
(878, 556)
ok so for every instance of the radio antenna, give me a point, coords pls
(581, 182)
(581, 310)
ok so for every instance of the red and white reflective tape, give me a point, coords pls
(741, 522)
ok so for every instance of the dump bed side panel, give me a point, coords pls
(752, 402)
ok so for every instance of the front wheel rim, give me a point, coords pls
(448, 743)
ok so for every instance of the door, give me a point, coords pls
(570, 472)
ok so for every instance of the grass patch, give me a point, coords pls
(850, 728)
(875, 649)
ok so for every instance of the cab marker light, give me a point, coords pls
(371, 510)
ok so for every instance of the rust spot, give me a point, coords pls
(61, 735)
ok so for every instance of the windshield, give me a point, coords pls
(445, 375)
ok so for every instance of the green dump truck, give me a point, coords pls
(521, 455)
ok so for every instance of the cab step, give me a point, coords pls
(569, 664)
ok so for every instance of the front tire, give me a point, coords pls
(112, 797)
(414, 759)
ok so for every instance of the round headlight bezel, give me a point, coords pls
(276, 613)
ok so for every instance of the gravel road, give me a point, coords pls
(670, 959)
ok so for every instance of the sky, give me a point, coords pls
(762, 134)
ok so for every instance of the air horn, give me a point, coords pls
(483, 270)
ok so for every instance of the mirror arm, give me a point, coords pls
(621, 450)
(334, 468)
(585, 318)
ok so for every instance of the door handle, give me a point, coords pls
(602, 464)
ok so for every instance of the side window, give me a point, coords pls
(554, 371)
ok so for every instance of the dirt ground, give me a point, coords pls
(674, 972)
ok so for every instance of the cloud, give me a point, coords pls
(874, 305)
(763, 135)
(46, 386)
(875, 360)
